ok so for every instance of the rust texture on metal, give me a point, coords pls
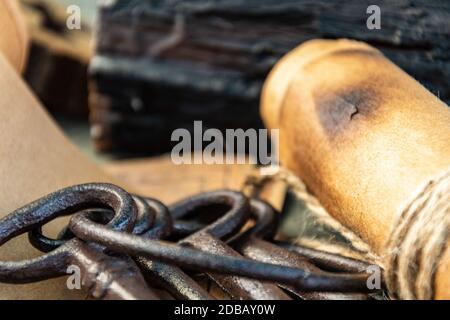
(126, 246)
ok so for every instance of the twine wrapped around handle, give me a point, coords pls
(418, 242)
(372, 145)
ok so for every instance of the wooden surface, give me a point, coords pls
(160, 178)
(58, 58)
(185, 60)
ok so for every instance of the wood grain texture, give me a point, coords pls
(364, 136)
(161, 64)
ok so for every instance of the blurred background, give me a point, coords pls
(136, 70)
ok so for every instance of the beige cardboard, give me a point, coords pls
(36, 158)
(13, 34)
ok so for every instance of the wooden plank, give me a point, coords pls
(163, 64)
(160, 178)
(58, 58)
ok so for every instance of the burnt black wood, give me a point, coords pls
(161, 65)
(57, 68)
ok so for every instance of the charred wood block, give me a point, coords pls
(135, 106)
(58, 60)
(160, 65)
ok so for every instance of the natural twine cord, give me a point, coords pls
(415, 246)
(418, 242)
